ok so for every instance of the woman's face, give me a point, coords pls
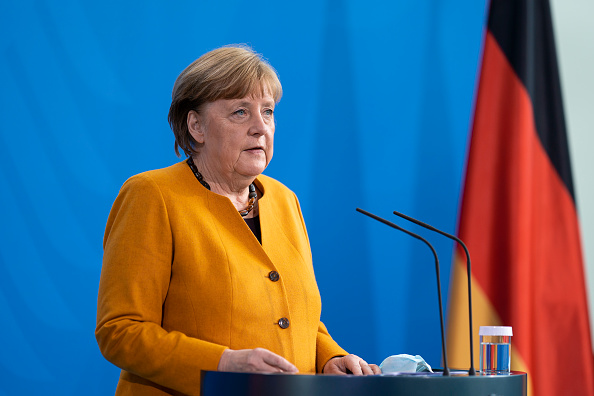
(238, 135)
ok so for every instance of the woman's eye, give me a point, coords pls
(268, 112)
(240, 112)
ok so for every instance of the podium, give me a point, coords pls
(416, 384)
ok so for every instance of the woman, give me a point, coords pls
(207, 263)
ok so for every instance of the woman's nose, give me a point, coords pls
(259, 125)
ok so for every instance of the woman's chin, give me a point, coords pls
(251, 172)
(253, 169)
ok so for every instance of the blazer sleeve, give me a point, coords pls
(326, 348)
(138, 251)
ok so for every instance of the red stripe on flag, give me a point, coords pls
(520, 224)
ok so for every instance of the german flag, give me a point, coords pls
(518, 214)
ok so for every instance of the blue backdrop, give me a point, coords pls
(375, 114)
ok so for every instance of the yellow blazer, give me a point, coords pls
(184, 278)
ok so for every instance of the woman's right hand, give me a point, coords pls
(254, 360)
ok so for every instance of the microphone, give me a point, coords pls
(471, 371)
(446, 370)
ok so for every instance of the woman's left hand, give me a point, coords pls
(350, 364)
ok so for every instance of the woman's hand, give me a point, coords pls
(350, 364)
(254, 360)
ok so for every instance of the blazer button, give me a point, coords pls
(283, 323)
(273, 275)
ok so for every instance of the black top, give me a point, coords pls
(254, 224)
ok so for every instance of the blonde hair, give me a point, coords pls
(230, 72)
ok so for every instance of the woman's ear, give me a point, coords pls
(196, 126)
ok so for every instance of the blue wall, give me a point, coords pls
(376, 111)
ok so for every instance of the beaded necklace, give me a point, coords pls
(251, 197)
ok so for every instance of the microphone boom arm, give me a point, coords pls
(471, 371)
(446, 370)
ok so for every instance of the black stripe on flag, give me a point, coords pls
(524, 31)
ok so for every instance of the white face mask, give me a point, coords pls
(404, 364)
